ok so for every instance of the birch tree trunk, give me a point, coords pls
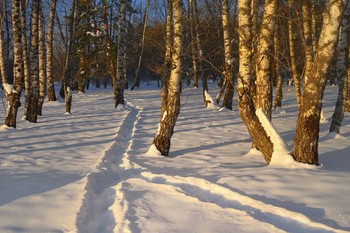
(121, 54)
(42, 63)
(49, 52)
(342, 63)
(136, 82)
(68, 67)
(3, 73)
(25, 59)
(228, 76)
(245, 77)
(32, 112)
(167, 58)
(14, 97)
(307, 31)
(193, 44)
(277, 60)
(167, 124)
(263, 59)
(305, 148)
(291, 34)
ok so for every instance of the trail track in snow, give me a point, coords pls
(108, 203)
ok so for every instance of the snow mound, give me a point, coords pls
(153, 151)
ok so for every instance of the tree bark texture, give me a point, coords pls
(305, 148)
(169, 118)
(32, 112)
(121, 61)
(245, 100)
(228, 74)
(263, 59)
(14, 97)
(3, 73)
(342, 63)
(42, 63)
(51, 95)
(277, 66)
(291, 33)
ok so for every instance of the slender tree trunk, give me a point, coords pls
(167, 58)
(121, 61)
(50, 82)
(263, 69)
(14, 97)
(168, 121)
(3, 73)
(42, 63)
(342, 63)
(244, 95)
(195, 53)
(25, 59)
(32, 112)
(347, 81)
(136, 82)
(294, 69)
(228, 76)
(305, 148)
(68, 67)
(307, 29)
(277, 58)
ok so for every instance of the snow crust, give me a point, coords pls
(95, 171)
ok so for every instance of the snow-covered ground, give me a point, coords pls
(90, 171)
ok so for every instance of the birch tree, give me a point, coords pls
(41, 62)
(342, 64)
(32, 112)
(121, 54)
(49, 58)
(14, 93)
(228, 59)
(3, 73)
(167, 124)
(263, 58)
(305, 148)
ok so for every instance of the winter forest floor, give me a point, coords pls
(90, 171)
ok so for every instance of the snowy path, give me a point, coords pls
(132, 193)
(89, 172)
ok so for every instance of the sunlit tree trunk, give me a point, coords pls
(305, 148)
(307, 31)
(277, 66)
(228, 76)
(136, 82)
(245, 78)
(342, 63)
(167, 124)
(42, 63)
(51, 95)
(121, 54)
(167, 58)
(32, 112)
(263, 59)
(14, 96)
(292, 52)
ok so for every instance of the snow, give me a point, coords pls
(8, 88)
(97, 171)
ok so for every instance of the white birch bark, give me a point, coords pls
(32, 112)
(167, 124)
(264, 49)
(49, 52)
(342, 63)
(121, 54)
(3, 73)
(42, 62)
(14, 98)
(305, 148)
